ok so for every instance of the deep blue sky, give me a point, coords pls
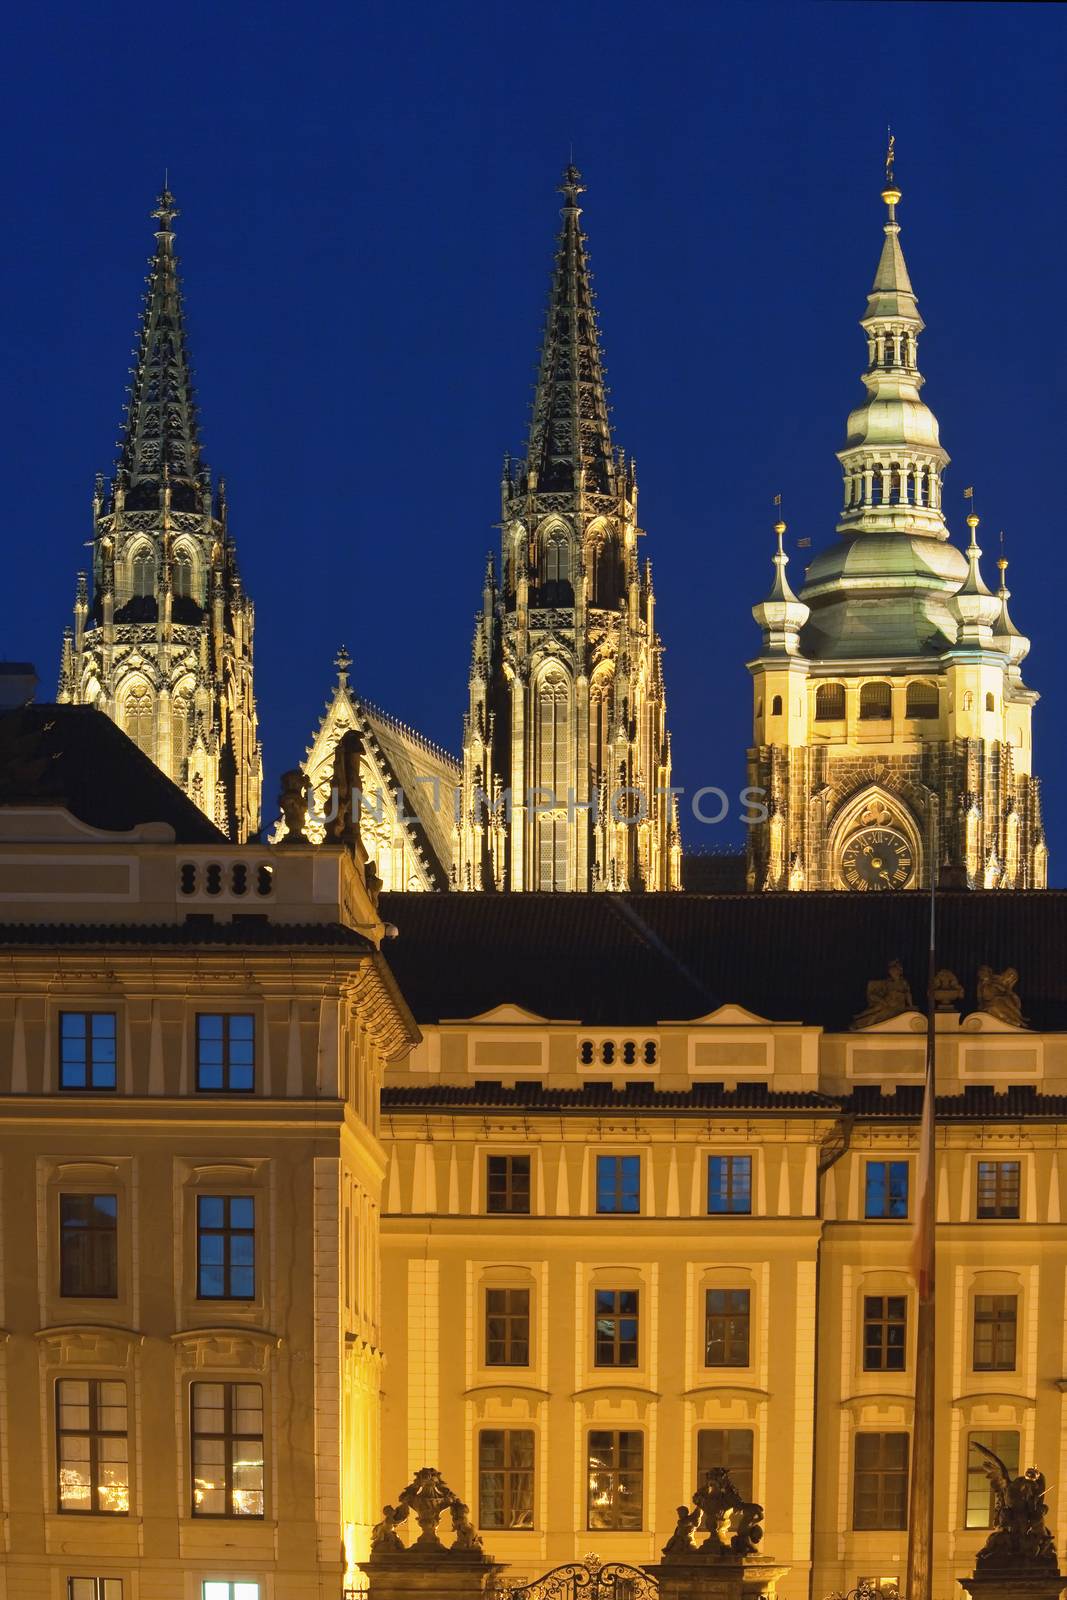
(368, 215)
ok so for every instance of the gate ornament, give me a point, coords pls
(733, 1525)
(428, 1497)
(1020, 1541)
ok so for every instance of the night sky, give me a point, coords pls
(368, 217)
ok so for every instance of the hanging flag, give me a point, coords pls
(803, 544)
(777, 499)
(968, 494)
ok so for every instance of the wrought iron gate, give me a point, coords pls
(590, 1579)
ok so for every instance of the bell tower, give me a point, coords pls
(891, 723)
(566, 756)
(162, 642)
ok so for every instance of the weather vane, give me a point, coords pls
(890, 156)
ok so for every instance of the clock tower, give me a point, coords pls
(891, 723)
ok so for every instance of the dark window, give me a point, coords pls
(227, 1436)
(776, 705)
(505, 1478)
(885, 1326)
(830, 702)
(727, 1319)
(88, 1246)
(876, 702)
(729, 1184)
(616, 1327)
(91, 1450)
(87, 1050)
(886, 1189)
(507, 1327)
(225, 1052)
(507, 1184)
(618, 1184)
(994, 1332)
(616, 1481)
(730, 1448)
(980, 1497)
(998, 1189)
(990, 703)
(880, 1491)
(94, 1589)
(921, 700)
(225, 1247)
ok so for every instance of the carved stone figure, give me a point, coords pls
(996, 994)
(384, 1536)
(683, 1541)
(466, 1538)
(1020, 1539)
(948, 991)
(886, 997)
(294, 804)
(343, 827)
(428, 1496)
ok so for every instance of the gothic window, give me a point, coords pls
(139, 717)
(553, 778)
(556, 589)
(184, 576)
(876, 702)
(830, 702)
(922, 700)
(607, 574)
(600, 721)
(181, 708)
(143, 573)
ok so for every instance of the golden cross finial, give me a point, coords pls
(890, 157)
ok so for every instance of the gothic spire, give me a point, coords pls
(570, 437)
(160, 437)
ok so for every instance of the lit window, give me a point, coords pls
(730, 1448)
(615, 1481)
(227, 1436)
(507, 1184)
(998, 1189)
(727, 1323)
(221, 1589)
(91, 1446)
(880, 1487)
(225, 1247)
(980, 1497)
(886, 1190)
(88, 1246)
(507, 1327)
(995, 1321)
(884, 1332)
(87, 1056)
(618, 1184)
(94, 1589)
(505, 1478)
(225, 1052)
(729, 1185)
(616, 1327)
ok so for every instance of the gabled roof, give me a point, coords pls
(76, 757)
(637, 960)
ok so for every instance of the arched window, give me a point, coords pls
(876, 702)
(183, 575)
(607, 574)
(922, 494)
(990, 702)
(600, 720)
(876, 487)
(830, 702)
(894, 484)
(556, 587)
(922, 700)
(143, 572)
(776, 706)
(139, 717)
(552, 753)
(181, 711)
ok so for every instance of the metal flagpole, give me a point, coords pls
(921, 1497)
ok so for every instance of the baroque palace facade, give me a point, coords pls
(309, 1181)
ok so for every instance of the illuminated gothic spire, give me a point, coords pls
(161, 428)
(569, 434)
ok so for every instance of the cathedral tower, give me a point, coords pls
(891, 722)
(566, 756)
(163, 643)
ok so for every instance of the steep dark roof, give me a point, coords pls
(75, 756)
(635, 960)
(601, 1097)
(239, 933)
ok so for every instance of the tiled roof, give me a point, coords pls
(631, 961)
(600, 1097)
(75, 756)
(238, 933)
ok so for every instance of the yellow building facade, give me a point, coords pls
(619, 1253)
(193, 1037)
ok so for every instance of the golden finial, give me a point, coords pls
(891, 194)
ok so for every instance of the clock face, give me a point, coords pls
(877, 858)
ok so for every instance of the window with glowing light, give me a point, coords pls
(730, 1448)
(94, 1589)
(981, 1501)
(92, 1450)
(995, 1323)
(222, 1589)
(998, 1189)
(616, 1480)
(227, 1450)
